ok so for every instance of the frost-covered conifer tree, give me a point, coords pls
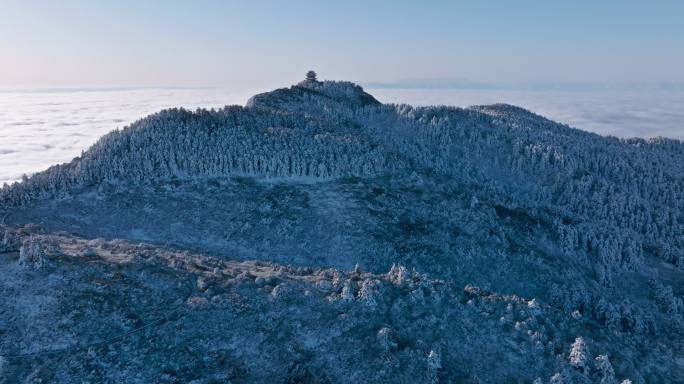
(605, 370)
(434, 362)
(579, 355)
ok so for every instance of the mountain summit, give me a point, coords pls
(318, 235)
(314, 93)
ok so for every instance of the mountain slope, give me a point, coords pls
(564, 233)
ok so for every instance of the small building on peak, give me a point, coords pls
(311, 77)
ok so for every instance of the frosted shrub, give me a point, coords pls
(667, 301)
(534, 308)
(368, 292)
(9, 242)
(31, 254)
(398, 274)
(386, 338)
(347, 293)
(559, 378)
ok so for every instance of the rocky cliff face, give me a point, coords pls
(317, 235)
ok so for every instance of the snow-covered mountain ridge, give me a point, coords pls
(575, 241)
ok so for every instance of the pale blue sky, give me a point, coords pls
(251, 44)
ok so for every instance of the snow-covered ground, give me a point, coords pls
(39, 128)
(188, 249)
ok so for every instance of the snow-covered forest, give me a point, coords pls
(566, 248)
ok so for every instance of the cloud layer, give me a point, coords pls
(42, 128)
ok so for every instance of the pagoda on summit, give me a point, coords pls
(311, 77)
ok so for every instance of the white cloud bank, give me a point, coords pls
(42, 128)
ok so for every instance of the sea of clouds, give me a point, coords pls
(39, 128)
